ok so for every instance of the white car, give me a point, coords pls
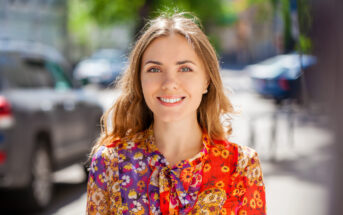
(103, 67)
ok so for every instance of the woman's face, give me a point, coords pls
(173, 78)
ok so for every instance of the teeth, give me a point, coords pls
(170, 100)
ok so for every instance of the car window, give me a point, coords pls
(39, 76)
(11, 72)
(62, 82)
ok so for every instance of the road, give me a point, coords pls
(295, 174)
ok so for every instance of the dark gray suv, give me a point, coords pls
(45, 122)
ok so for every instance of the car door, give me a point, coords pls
(72, 117)
(46, 103)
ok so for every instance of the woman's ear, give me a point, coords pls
(206, 87)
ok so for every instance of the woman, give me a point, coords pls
(167, 152)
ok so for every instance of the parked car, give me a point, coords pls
(46, 122)
(279, 77)
(104, 67)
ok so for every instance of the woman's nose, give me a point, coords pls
(170, 82)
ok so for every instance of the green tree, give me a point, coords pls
(107, 12)
(305, 22)
(282, 7)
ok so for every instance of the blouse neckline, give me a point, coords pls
(193, 161)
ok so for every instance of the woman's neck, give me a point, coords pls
(178, 140)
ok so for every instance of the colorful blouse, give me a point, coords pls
(131, 176)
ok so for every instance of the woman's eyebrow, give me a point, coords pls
(153, 62)
(184, 61)
(177, 63)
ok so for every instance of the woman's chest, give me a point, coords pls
(146, 186)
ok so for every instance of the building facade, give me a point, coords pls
(43, 21)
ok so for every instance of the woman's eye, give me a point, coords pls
(153, 70)
(186, 69)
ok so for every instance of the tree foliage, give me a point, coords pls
(107, 12)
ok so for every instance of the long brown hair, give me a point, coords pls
(130, 114)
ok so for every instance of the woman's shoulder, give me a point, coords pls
(104, 153)
(246, 159)
(244, 152)
(225, 145)
(128, 142)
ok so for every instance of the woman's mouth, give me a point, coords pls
(171, 100)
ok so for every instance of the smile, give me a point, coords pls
(170, 100)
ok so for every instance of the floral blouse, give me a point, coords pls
(130, 176)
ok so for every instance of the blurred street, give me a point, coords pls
(295, 176)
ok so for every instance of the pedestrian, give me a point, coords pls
(166, 151)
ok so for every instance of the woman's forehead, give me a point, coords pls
(174, 47)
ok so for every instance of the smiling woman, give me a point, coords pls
(167, 152)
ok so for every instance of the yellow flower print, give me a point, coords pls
(132, 194)
(155, 196)
(138, 156)
(223, 211)
(141, 184)
(101, 178)
(116, 196)
(180, 165)
(121, 157)
(259, 203)
(235, 192)
(257, 194)
(220, 184)
(253, 203)
(124, 207)
(243, 212)
(140, 212)
(173, 211)
(245, 201)
(154, 159)
(240, 185)
(251, 182)
(225, 153)
(225, 169)
(128, 166)
(241, 192)
(216, 152)
(186, 175)
(207, 167)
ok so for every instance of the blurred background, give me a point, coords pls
(280, 63)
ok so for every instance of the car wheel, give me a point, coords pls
(40, 191)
